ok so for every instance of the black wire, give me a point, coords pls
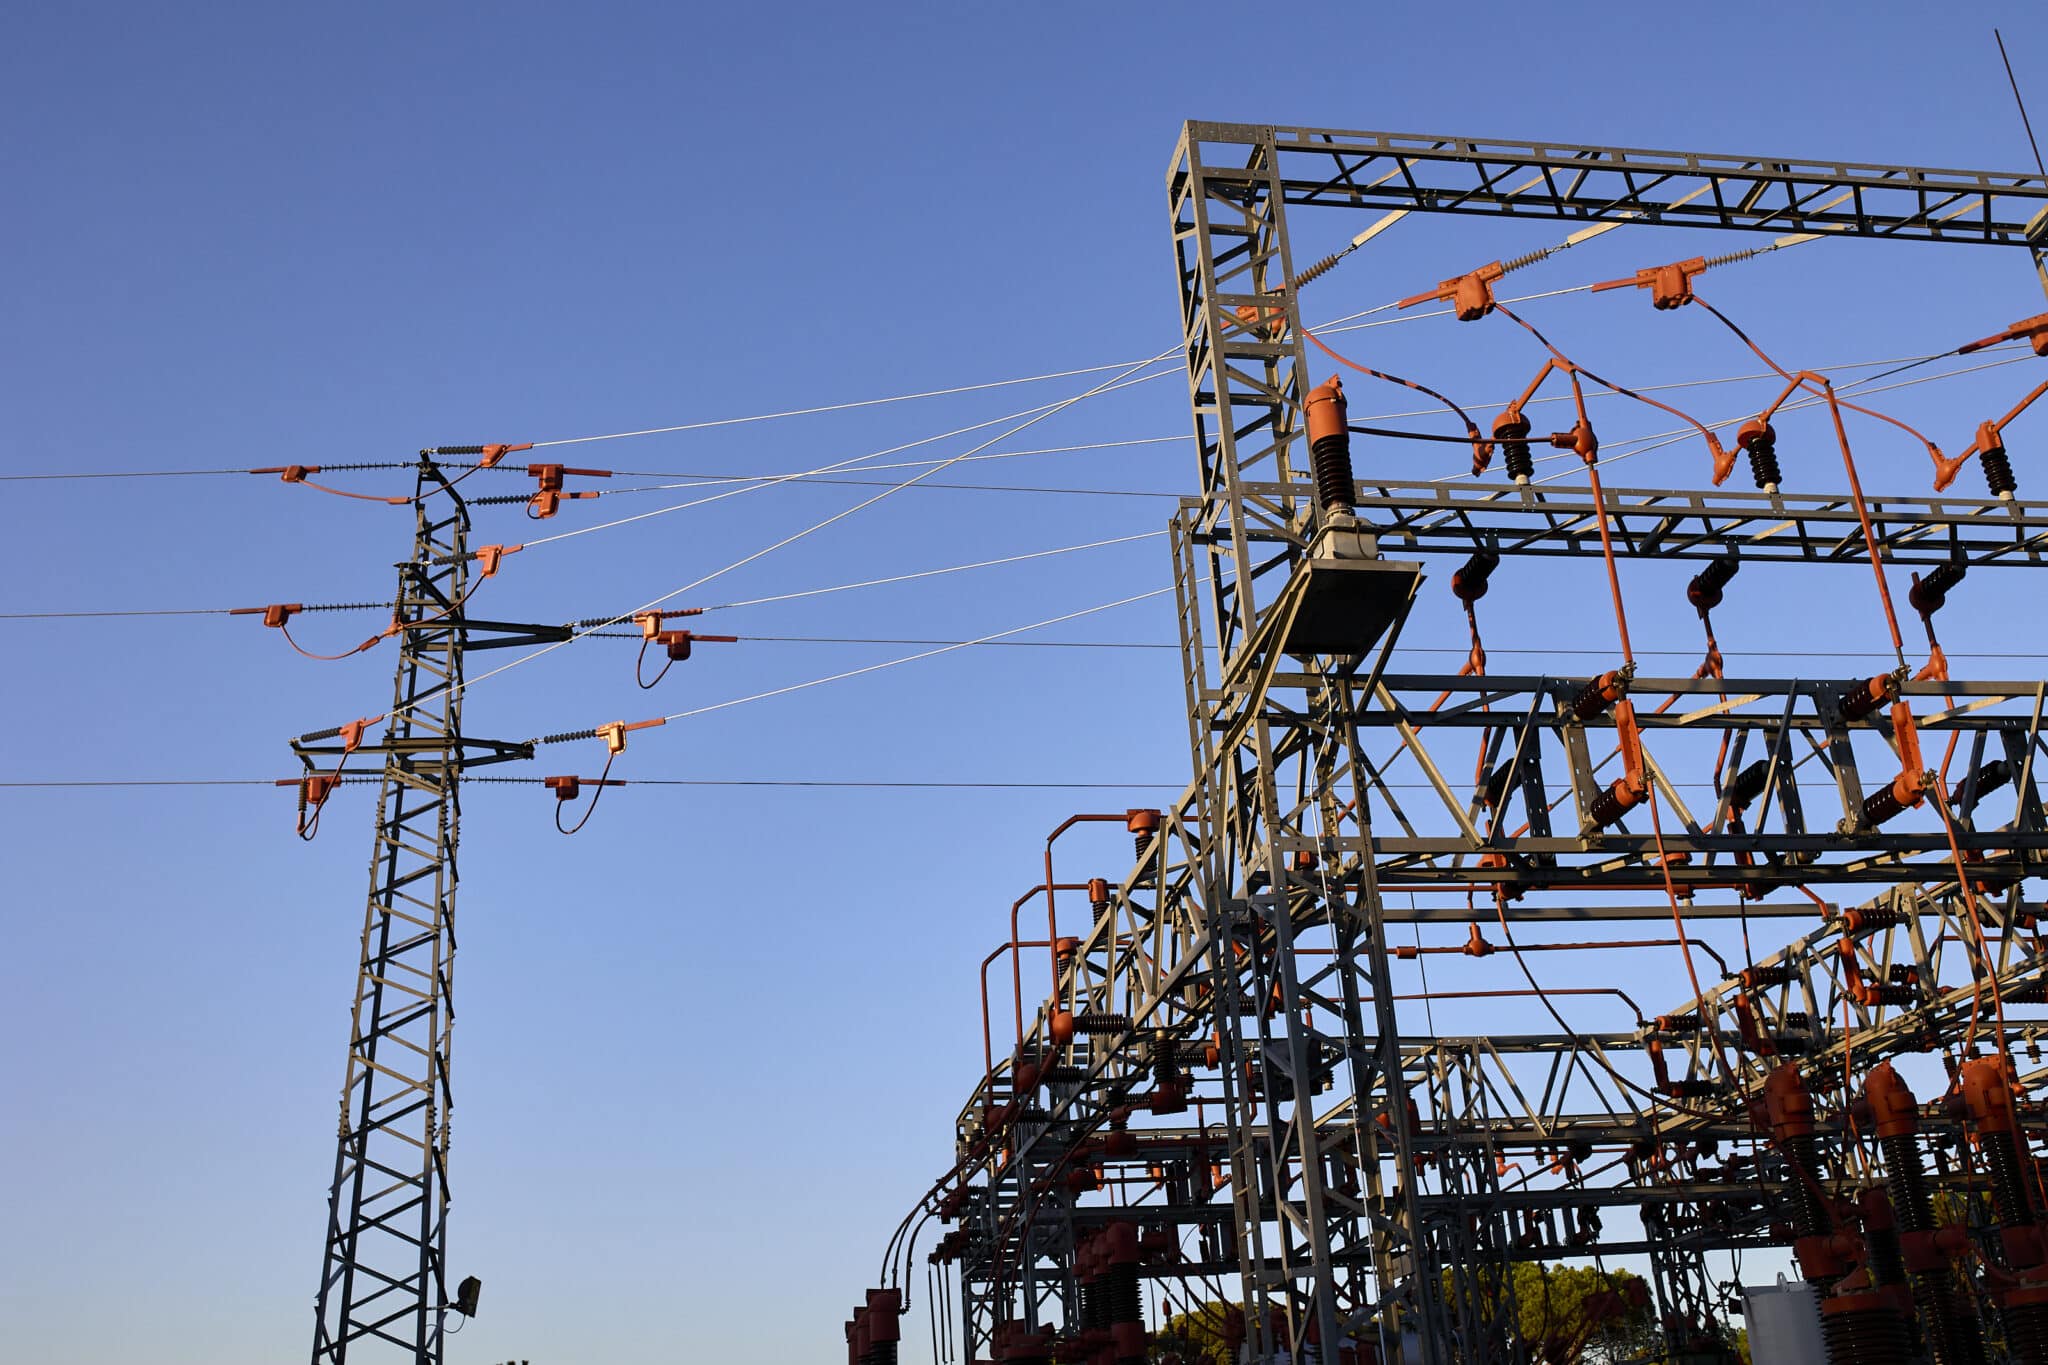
(126, 474)
(182, 611)
(1423, 436)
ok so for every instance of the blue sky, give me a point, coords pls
(710, 1049)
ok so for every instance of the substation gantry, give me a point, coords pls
(1218, 1094)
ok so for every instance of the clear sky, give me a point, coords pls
(709, 1050)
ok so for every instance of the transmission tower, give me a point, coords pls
(383, 1289)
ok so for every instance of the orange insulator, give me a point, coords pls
(1329, 445)
(1892, 1106)
(1987, 1094)
(1788, 1103)
(1059, 1026)
(1327, 410)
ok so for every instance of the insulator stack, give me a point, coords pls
(1810, 1214)
(1749, 785)
(1320, 268)
(1988, 779)
(2008, 1188)
(1882, 804)
(2026, 1325)
(1949, 1336)
(1601, 693)
(1095, 1022)
(1468, 583)
(875, 1329)
(1608, 807)
(1142, 824)
(1760, 442)
(1511, 431)
(1863, 1329)
(1929, 594)
(1329, 447)
(1998, 475)
(1988, 1097)
(1704, 592)
(1887, 1267)
(1869, 697)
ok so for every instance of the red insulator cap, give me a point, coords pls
(1328, 414)
(1892, 1107)
(1987, 1094)
(884, 1306)
(1788, 1103)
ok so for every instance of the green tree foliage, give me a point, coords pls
(1576, 1315)
(1568, 1315)
(1194, 1337)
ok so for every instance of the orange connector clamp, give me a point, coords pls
(1670, 286)
(488, 557)
(650, 621)
(274, 615)
(296, 473)
(1471, 295)
(569, 788)
(2033, 330)
(614, 733)
(548, 498)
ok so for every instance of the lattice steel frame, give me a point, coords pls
(1272, 750)
(383, 1282)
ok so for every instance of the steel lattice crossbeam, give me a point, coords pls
(1325, 167)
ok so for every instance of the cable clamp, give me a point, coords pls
(488, 557)
(1580, 440)
(1470, 295)
(569, 788)
(2033, 330)
(548, 497)
(1670, 286)
(650, 621)
(275, 615)
(678, 642)
(488, 457)
(614, 733)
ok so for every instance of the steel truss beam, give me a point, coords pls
(1325, 167)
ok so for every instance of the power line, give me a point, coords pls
(351, 780)
(913, 658)
(858, 403)
(1902, 362)
(796, 536)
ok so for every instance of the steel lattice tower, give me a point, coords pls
(383, 1278)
